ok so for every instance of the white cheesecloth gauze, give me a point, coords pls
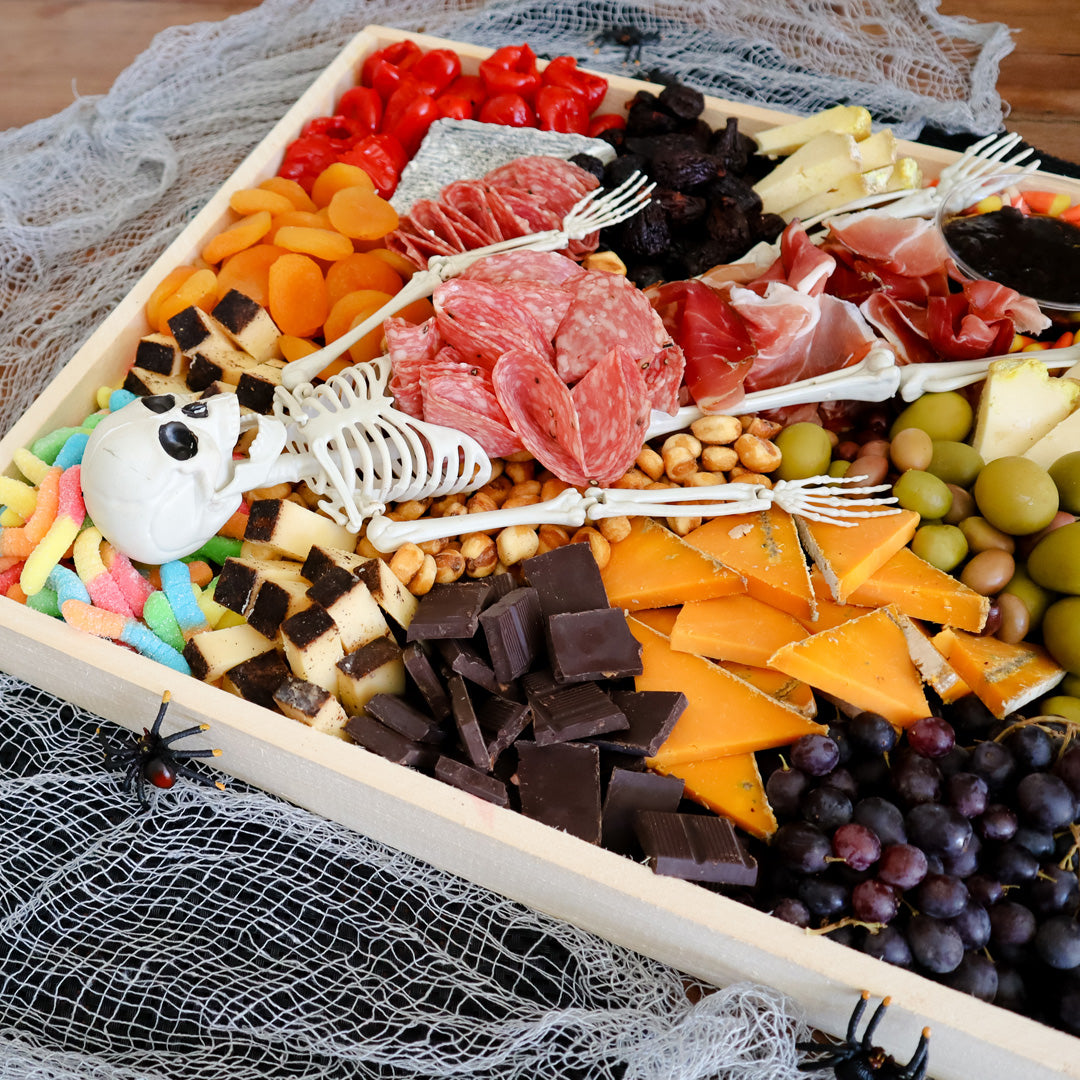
(231, 935)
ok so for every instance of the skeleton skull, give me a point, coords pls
(158, 475)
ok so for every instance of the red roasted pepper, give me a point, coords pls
(338, 129)
(402, 54)
(410, 123)
(307, 156)
(510, 110)
(560, 109)
(363, 106)
(436, 70)
(563, 71)
(511, 70)
(382, 158)
(471, 87)
(605, 122)
(455, 107)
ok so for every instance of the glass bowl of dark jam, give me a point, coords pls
(1025, 235)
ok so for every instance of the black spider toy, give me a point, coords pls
(150, 758)
(859, 1059)
(630, 38)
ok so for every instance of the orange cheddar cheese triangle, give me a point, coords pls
(776, 684)
(1003, 677)
(764, 547)
(864, 662)
(829, 612)
(730, 786)
(660, 619)
(724, 714)
(739, 628)
(935, 670)
(848, 555)
(654, 568)
(922, 591)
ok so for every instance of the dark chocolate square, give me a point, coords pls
(594, 644)
(396, 713)
(514, 631)
(472, 737)
(695, 847)
(566, 579)
(426, 680)
(629, 791)
(381, 740)
(652, 715)
(472, 781)
(560, 786)
(574, 712)
(449, 611)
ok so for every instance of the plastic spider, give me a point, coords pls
(151, 759)
(859, 1059)
(630, 38)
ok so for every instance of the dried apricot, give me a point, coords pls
(169, 284)
(360, 270)
(247, 231)
(297, 295)
(318, 243)
(295, 348)
(337, 177)
(199, 289)
(248, 272)
(252, 200)
(304, 219)
(396, 261)
(292, 191)
(344, 314)
(362, 215)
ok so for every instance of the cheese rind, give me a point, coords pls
(777, 685)
(865, 662)
(724, 714)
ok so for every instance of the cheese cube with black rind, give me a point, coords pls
(249, 324)
(160, 353)
(256, 387)
(197, 331)
(144, 383)
(257, 679)
(213, 652)
(276, 601)
(312, 705)
(390, 594)
(374, 668)
(320, 559)
(240, 578)
(358, 617)
(313, 647)
(292, 529)
(217, 366)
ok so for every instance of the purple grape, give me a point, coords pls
(994, 763)
(941, 895)
(902, 865)
(1031, 747)
(1045, 801)
(839, 736)
(871, 773)
(937, 829)
(1054, 891)
(826, 807)
(973, 925)
(997, 822)
(931, 737)
(1069, 1008)
(984, 890)
(792, 911)
(966, 862)
(1011, 923)
(881, 817)
(1012, 865)
(967, 793)
(784, 788)
(824, 898)
(1058, 943)
(955, 761)
(857, 845)
(802, 847)
(1068, 768)
(917, 780)
(1012, 993)
(842, 779)
(935, 945)
(871, 733)
(975, 975)
(890, 945)
(875, 902)
(971, 717)
(1040, 844)
(815, 755)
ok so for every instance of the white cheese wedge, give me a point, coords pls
(1020, 403)
(785, 139)
(1062, 439)
(850, 188)
(877, 150)
(817, 166)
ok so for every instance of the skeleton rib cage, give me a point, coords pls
(360, 453)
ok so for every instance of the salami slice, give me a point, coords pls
(607, 310)
(427, 216)
(539, 408)
(532, 210)
(612, 405)
(410, 347)
(509, 223)
(461, 400)
(469, 198)
(559, 183)
(664, 373)
(483, 321)
(549, 267)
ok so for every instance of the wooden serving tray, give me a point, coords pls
(695, 930)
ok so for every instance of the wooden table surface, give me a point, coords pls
(47, 49)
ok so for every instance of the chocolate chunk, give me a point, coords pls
(592, 645)
(560, 786)
(472, 781)
(566, 579)
(472, 737)
(652, 715)
(464, 659)
(381, 740)
(695, 847)
(503, 721)
(574, 712)
(450, 611)
(538, 682)
(257, 679)
(427, 682)
(629, 791)
(514, 630)
(396, 713)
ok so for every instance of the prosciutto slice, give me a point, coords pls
(911, 247)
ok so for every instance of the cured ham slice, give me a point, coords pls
(911, 247)
(802, 264)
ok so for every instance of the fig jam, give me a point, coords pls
(1036, 255)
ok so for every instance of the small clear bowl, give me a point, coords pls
(962, 199)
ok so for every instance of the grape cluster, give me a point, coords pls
(950, 849)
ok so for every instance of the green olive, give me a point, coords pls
(924, 493)
(806, 449)
(911, 449)
(1036, 598)
(1065, 472)
(1061, 632)
(1016, 495)
(982, 536)
(955, 462)
(839, 468)
(1055, 561)
(942, 546)
(1062, 705)
(1070, 685)
(941, 416)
